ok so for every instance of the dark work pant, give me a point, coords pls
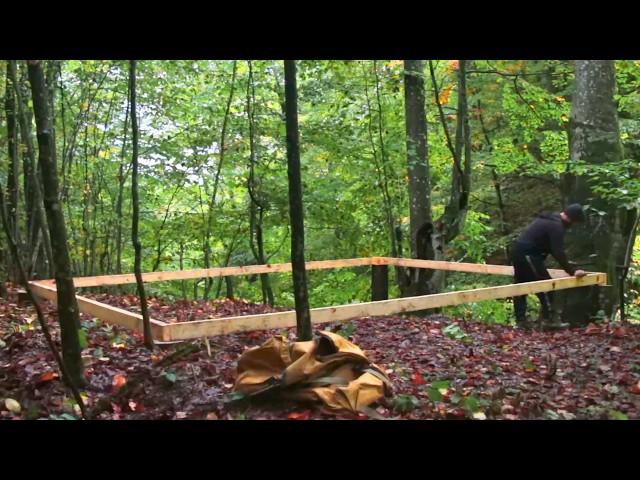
(528, 268)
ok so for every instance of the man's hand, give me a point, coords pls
(579, 273)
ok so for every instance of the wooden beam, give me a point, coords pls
(342, 313)
(463, 267)
(217, 272)
(104, 312)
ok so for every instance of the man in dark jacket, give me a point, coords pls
(544, 236)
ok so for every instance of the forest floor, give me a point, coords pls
(440, 369)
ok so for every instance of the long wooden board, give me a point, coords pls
(130, 278)
(100, 310)
(342, 313)
(218, 272)
(463, 267)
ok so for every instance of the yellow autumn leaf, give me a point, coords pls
(453, 65)
(443, 98)
(396, 63)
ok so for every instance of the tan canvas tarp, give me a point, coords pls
(329, 369)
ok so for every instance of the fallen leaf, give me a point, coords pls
(119, 381)
(299, 415)
(212, 416)
(592, 329)
(479, 416)
(417, 379)
(636, 388)
(132, 405)
(48, 376)
(619, 332)
(12, 405)
(181, 415)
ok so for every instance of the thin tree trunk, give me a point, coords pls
(13, 173)
(451, 223)
(256, 206)
(216, 182)
(67, 305)
(494, 175)
(66, 375)
(395, 234)
(296, 212)
(135, 201)
(183, 284)
(34, 179)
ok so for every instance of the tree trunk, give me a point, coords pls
(68, 313)
(34, 203)
(296, 212)
(22, 276)
(120, 195)
(135, 202)
(451, 223)
(209, 225)
(13, 172)
(594, 138)
(257, 204)
(418, 172)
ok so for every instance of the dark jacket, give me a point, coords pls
(544, 236)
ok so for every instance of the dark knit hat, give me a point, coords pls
(575, 212)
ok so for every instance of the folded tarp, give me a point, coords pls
(328, 369)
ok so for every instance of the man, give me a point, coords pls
(544, 236)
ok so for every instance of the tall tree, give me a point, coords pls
(34, 203)
(24, 281)
(257, 203)
(13, 173)
(68, 313)
(418, 172)
(296, 212)
(594, 138)
(216, 182)
(451, 223)
(135, 202)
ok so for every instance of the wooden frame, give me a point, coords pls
(380, 305)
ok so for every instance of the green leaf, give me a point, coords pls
(82, 337)
(235, 397)
(170, 377)
(347, 330)
(455, 332)
(434, 395)
(528, 364)
(405, 403)
(617, 415)
(441, 384)
(470, 404)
